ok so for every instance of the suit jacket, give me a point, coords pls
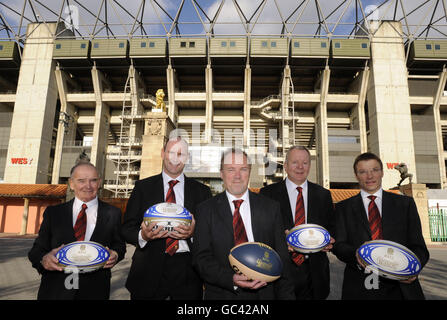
(319, 211)
(213, 240)
(57, 229)
(400, 223)
(147, 262)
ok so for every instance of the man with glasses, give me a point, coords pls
(375, 214)
(235, 216)
(161, 265)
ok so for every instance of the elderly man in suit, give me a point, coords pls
(84, 218)
(161, 265)
(375, 214)
(232, 217)
(304, 202)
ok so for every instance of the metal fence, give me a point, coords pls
(438, 224)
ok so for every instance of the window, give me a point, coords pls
(143, 44)
(1, 47)
(83, 46)
(223, 44)
(183, 44)
(428, 46)
(192, 44)
(121, 45)
(364, 45)
(323, 44)
(264, 44)
(296, 44)
(232, 43)
(337, 45)
(58, 46)
(151, 44)
(273, 44)
(437, 47)
(96, 45)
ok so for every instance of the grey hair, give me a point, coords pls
(234, 151)
(82, 163)
(296, 148)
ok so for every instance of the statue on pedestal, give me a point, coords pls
(403, 170)
(160, 104)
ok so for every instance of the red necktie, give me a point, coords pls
(300, 218)
(239, 233)
(171, 244)
(375, 221)
(81, 224)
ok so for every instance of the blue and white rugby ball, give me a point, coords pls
(167, 215)
(308, 238)
(390, 259)
(256, 260)
(82, 256)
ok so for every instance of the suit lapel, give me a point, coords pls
(311, 203)
(256, 216)
(388, 208)
(283, 195)
(188, 201)
(360, 213)
(101, 221)
(68, 222)
(224, 211)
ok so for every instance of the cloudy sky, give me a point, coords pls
(265, 16)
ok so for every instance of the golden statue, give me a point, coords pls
(160, 105)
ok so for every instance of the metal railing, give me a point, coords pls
(437, 218)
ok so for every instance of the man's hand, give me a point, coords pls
(112, 259)
(148, 232)
(50, 262)
(243, 282)
(359, 261)
(329, 246)
(182, 231)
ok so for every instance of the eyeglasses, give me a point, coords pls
(366, 172)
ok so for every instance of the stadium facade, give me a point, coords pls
(375, 90)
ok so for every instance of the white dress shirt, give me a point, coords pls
(179, 191)
(293, 196)
(378, 200)
(91, 213)
(244, 211)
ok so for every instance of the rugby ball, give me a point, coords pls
(256, 260)
(308, 238)
(82, 256)
(389, 259)
(167, 215)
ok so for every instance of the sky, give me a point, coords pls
(265, 16)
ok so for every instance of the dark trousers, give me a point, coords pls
(179, 280)
(302, 281)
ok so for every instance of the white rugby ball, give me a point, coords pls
(82, 256)
(308, 238)
(167, 215)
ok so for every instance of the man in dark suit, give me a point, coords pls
(161, 265)
(310, 272)
(233, 217)
(375, 214)
(85, 218)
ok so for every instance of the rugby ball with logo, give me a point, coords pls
(167, 215)
(82, 256)
(256, 260)
(389, 259)
(308, 238)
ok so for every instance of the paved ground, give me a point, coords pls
(19, 281)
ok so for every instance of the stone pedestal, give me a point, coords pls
(419, 193)
(157, 127)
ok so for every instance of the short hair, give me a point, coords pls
(365, 157)
(176, 138)
(296, 148)
(234, 151)
(82, 163)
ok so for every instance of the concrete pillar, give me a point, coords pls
(390, 125)
(438, 128)
(101, 124)
(67, 127)
(209, 104)
(25, 216)
(287, 139)
(321, 132)
(137, 108)
(172, 89)
(360, 110)
(34, 109)
(247, 103)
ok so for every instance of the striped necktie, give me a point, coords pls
(239, 233)
(375, 221)
(300, 218)
(81, 224)
(171, 244)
